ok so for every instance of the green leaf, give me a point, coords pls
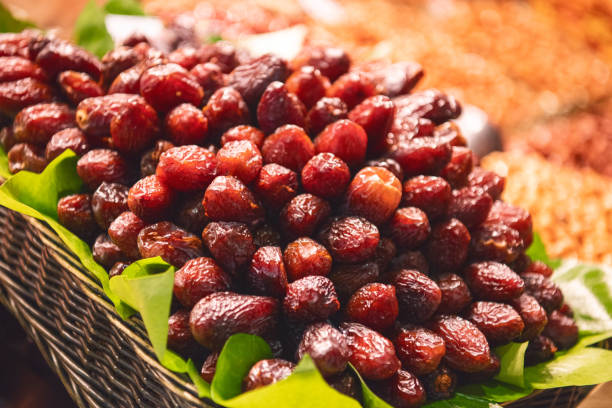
(213, 39)
(586, 288)
(304, 388)
(495, 391)
(584, 366)
(537, 252)
(10, 24)
(4, 168)
(125, 7)
(90, 30)
(146, 286)
(512, 361)
(37, 195)
(237, 357)
(460, 400)
(370, 399)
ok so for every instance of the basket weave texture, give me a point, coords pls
(102, 360)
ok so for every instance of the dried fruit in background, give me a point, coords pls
(345, 139)
(14, 68)
(207, 372)
(348, 278)
(308, 84)
(429, 104)
(191, 214)
(325, 112)
(375, 116)
(209, 76)
(540, 349)
(106, 253)
(561, 329)
(243, 132)
(251, 79)
(168, 85)
(331, 61)
(59, 55)
(470, 205)
(533, 316)
(78, 86)
(224, 110)
(423, 155)
(278, 107)
(16, 95)
(150, 159)
(440, 384)
(496, 242)
(406, 390)
(352, 88)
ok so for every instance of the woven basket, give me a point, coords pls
(102, 360)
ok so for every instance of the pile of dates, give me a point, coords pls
(318, 204)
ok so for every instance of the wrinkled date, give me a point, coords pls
(467, 349)
(217, 316)
(16, 95)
